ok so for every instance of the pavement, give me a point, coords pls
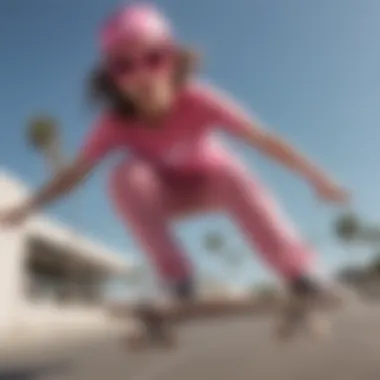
(240, 348)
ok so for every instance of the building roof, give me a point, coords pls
(83, 247)
(12, 190)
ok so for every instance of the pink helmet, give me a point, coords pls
(135, 23)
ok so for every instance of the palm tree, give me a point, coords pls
(375, 266)
(43, 136)
(213, 242)
(348, 227)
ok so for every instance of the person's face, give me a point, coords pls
(144, 73)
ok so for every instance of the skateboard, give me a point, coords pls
(143, 337)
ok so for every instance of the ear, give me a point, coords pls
(189, 59)
(187, 64)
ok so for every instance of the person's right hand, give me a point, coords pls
(13, 216)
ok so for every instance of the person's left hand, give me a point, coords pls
(329, 191)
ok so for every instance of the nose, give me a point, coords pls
(143, 76)
(147, 81)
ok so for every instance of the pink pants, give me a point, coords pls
(147, 198)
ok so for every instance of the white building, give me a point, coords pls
(51, 279)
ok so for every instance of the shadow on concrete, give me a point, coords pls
(35, 372)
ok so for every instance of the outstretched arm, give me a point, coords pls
(95, 148)
(281, 151)
(229, 115)
(225, 112)
(61, 184)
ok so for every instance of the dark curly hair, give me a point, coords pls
(103, 91)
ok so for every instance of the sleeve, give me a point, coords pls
(222, 110)
(98, 143)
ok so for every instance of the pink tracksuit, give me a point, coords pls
(180, 168)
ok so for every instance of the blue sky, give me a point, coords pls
(308, 68)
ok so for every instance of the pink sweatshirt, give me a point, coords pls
(182, 141)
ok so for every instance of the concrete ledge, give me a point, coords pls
(55, 344)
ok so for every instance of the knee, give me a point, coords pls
(132, 181)
(119, 181)
(231, 175)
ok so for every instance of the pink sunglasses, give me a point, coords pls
(153, 60)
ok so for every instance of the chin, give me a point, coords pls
(161, 106)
